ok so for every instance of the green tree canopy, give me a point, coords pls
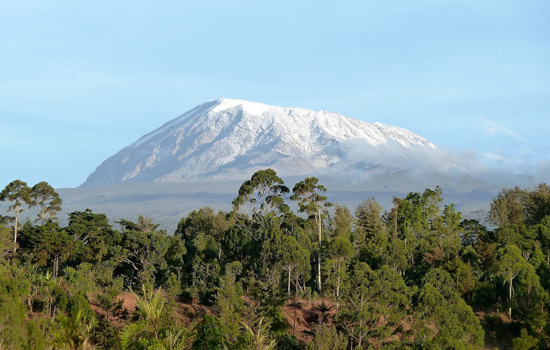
(17, 194)
(47, 200)
(308, 194)
(262, 194)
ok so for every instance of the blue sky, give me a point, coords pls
(81, 80)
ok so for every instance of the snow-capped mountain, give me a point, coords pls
(231, 139)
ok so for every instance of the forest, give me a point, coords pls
(285, 269)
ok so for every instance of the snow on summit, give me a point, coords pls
(230, 138)
(254, 108)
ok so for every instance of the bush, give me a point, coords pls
(289, 342)
(79, 302)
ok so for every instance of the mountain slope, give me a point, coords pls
(230, 139)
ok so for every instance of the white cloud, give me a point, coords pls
(493, 128)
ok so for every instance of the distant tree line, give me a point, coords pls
(415, 277)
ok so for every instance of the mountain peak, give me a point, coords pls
(250, 107)
(224, 138)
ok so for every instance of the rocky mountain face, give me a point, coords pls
(231, 139)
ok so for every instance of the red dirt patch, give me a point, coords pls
(128, 301)
(302, 314)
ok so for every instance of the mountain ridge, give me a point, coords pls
(231, 138)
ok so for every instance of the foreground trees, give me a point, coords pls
(376, 301)
(47, 200)
(17, 194)
(20, 197)
(263, 276)
(311, 201)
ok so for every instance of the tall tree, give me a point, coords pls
(44, 196)
(143, 249)
(472, 230)
(92, 234)
(507, 208)
(537, 204)
(341, 222)
(228, 298)
(376, 302)
(262, 194)
(51, 244)
(290, 255)
(311, 201)
(341, 250)
(445, 321)
(543, 236)
(510, 264)
(368, 216)
(207, 222)
(17, 194)
(371, 234)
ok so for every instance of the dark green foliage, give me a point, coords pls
(472, 230)
(376, 302)
(6, 244)
(288, 342)
(228, 299)
(75, 330)
(457, 326)
(37, 335)
(61, 299)
(409, 278)
(92, 235)
(327, 338)
(525, 341)
(105, 336)
(79, 304)
(371, 236)
(49, 244)
(142, 251)
(341, 222)
(309, 195)
(12, 322)
(209, 336)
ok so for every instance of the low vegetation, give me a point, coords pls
(264, 277)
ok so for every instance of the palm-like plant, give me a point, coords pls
(257, 338)
(74, 331)
(151, 305)
(151, 332)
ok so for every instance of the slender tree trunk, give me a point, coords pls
(319, 224)
(510, 299)
(289, 277)
(15, 228)
(55, 266)
(297, 281)
(338, 292)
